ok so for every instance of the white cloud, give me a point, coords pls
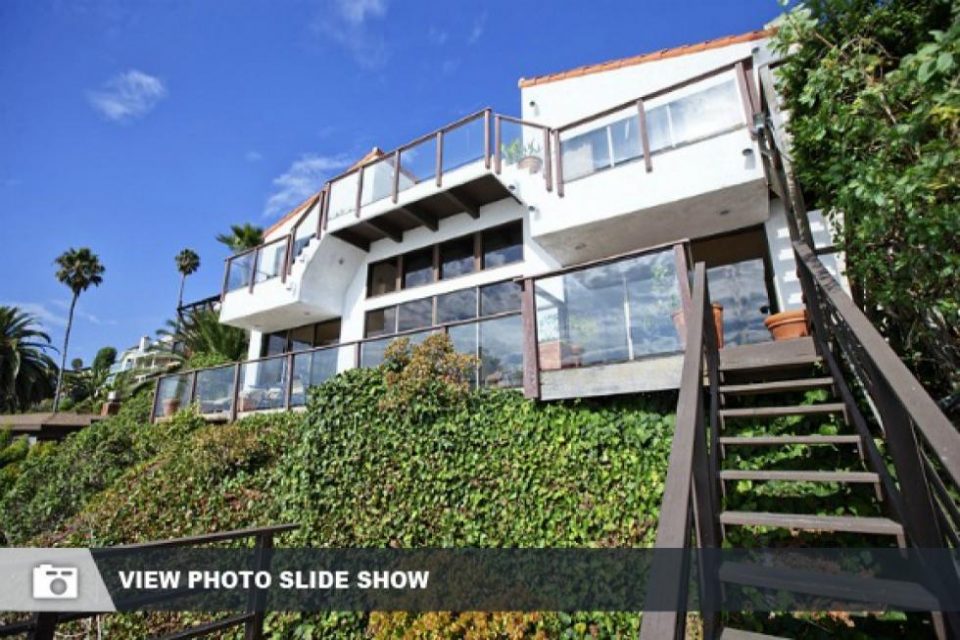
(304, 177)
(252, 156)
(78, 312)
(127, 96)
(55, 314)
(479, 26)
(349, 26)
(356, 11)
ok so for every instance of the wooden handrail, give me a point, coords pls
(930, 421)
(688, 489)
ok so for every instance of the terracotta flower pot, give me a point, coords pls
(788, 325)
(532, 164)
(681, 325)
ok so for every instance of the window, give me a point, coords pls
(485, 249)
(497, 298)
(418, 268)
(327, 333)
(308, 336)
(459, 305)
(383, 277)
(502, 245)
(415, 314)
(381, 322)
(457, 257)
(274, 344)
(301, 338)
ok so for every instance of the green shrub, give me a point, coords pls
(51, 488)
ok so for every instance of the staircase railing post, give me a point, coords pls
(256, 603)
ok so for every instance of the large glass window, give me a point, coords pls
(489, 249)
(301, 338)
(383, 277)
(381, 321)
(501, 297)
(418, 268)
(501, 352)
(457, 257)
(458, 305)
(415, 314)
(274, 344)
(502, 245)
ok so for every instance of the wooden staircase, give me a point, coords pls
(774, 449)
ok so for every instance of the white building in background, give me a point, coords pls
(554, 246)
(145, 358)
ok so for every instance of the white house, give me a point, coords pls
(555, 246)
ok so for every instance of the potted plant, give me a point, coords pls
(524, 156)
(788, 325)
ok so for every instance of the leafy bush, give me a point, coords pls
(51, 488)
(872, 90)
(429, 378)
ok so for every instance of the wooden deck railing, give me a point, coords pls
(690, 506)
(43, 625)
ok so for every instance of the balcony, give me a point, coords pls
(282, 382)
(602, 328)
(460, 168)
(611, 326)
(682, 162)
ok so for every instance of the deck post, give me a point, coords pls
(531, 352)
(644, 136)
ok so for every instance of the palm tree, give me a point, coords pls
(26, 371)
(78, 269)
(187, 264)
(202, 332)
(242, 237)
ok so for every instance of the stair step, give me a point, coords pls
(732, 441)
(786, 354)
(839, 586)
(738, 634)
(806, 522)
(801, 476)
(775, 412)
(777, 386)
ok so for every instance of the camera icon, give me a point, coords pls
(54, 583)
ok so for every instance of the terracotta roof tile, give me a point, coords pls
(662, 54)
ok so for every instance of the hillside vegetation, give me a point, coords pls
(400, 456)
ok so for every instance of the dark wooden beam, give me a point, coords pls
(385, 228)
(422, 217)
(352, 238)
(463, 203)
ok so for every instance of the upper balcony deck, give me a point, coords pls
(681, 162)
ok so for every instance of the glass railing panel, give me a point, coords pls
(521, 146)
(610, 141)
(239, 271)
(313, 368)
(343, 196)
(465, 339)
(463, 145)
(614, 312)
(270, 260)
(215, 391)
(418, 164)
(377, 180)
(173, 394)
(501, 352)
(262, 384)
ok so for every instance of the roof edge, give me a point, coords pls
(662, 54)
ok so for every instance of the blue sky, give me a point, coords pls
(141, 128)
